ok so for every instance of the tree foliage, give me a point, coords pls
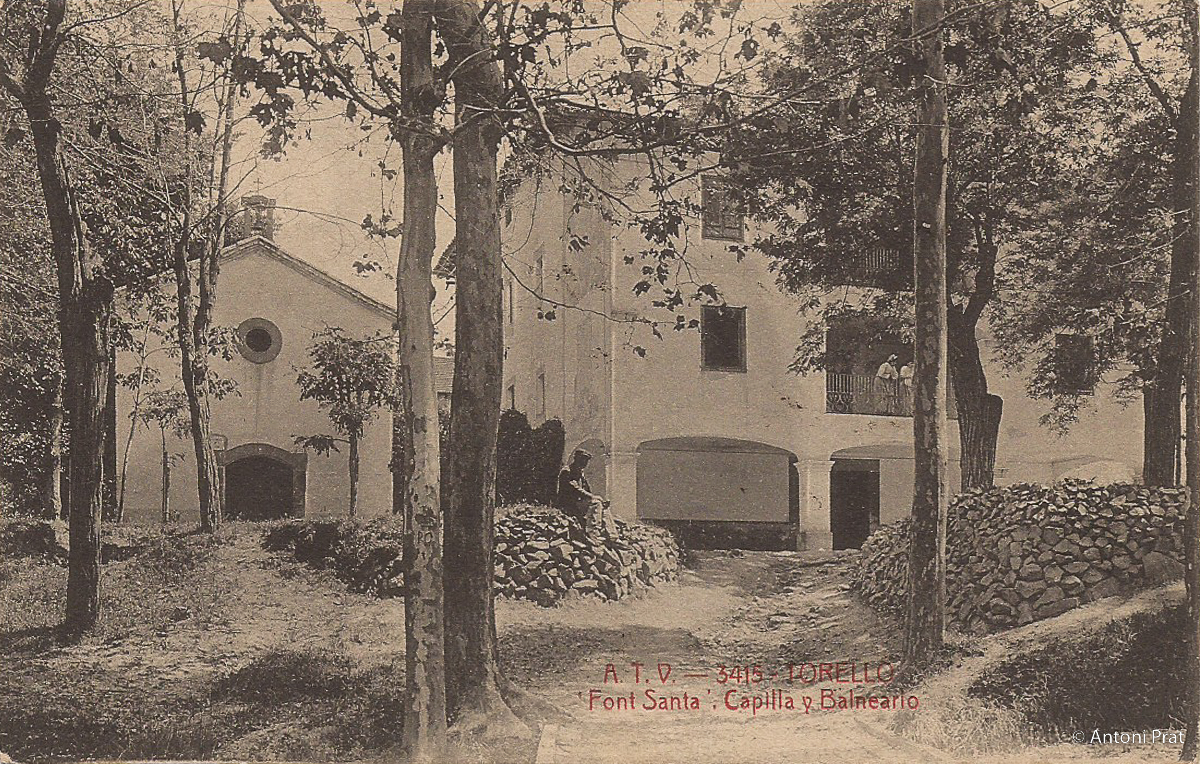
(350, 378)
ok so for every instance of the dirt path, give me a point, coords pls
(773, 610)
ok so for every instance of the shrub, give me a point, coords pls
(366, 555)
(25, 537)
(528, 459)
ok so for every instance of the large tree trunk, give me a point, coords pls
(86, 323)
(979, 411)
(1191, 528)
(85, 307)
(424, 657)
(927, 583)
(52, 488)
(469, 491)
(84, 317)
(1162, 392)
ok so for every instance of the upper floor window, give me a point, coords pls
(512, 396)
(722, 338)
(1074, 364)
(720, 217)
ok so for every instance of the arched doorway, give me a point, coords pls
(263, 482)
(720, 492)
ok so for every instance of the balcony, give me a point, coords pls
(864, 394)
(879, 267)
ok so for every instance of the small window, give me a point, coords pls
(720, 218)
(259, 340)
(510, 301)
(540, 274)
(512, 396)
(722, 338)
(1074, 364)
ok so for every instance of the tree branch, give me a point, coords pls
(1155, 88)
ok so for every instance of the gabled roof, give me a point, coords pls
(443, 368)
(275, 252)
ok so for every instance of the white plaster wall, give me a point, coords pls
(268, 408)
(667, 394)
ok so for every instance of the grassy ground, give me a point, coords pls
(208, 649)
(217, 649)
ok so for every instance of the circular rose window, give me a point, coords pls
(259, 340)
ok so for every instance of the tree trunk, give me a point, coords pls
(111, 509)
(86, 358)
(424, 656)
(85, 300)
(979, 411)
(1191, 535)
(137, 402)
(1191, 526)
(1162, 391)
(927, 584)
(52, 489)
(1161, 429)
(353, 474)
(195, 386)
(195, 320)
(166, 481)
(473, 692)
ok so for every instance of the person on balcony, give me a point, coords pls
(887, 381)
(906, 379)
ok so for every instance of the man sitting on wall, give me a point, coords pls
(575, 497)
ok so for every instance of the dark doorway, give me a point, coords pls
(258, 488)
(853, 501)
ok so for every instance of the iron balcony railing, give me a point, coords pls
(872, 267)
(865, 394)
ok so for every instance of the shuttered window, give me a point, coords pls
(720, 218)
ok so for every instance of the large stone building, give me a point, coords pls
(707, 429)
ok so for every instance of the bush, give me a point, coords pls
(366, 556)
(23, 537)
(528, 459)
(286, 676)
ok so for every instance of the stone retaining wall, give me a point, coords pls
(541, 555)
(1027, 552)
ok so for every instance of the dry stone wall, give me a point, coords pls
(1026, 552)
(541, 555)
